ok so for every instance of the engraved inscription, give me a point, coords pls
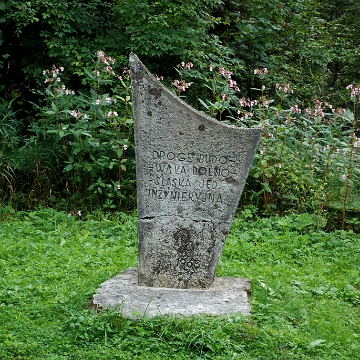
(216, 171)
(184, 245)
(192, 157)
(170, 169)
(190, 176)
(171, 182)
(161, 194)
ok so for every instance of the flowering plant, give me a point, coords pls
(94, 128)
(308, 156)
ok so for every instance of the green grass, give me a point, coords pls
(305, 292)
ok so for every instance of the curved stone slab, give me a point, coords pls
(191, 170)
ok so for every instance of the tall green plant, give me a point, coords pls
(92, 130)
(307, 159)
(9, 140)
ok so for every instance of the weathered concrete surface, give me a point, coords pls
(191, 170)
(224, 296)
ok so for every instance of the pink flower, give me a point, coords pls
(181, 85)
(232, 83)
(296, 109)
(285, 88)
(355, 90)
(262, 71)
(100, 54)
(112, 114)
(243, 102)
(75, 113)
(225, 73)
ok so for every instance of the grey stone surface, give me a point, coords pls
(191, 170)
(224, 296)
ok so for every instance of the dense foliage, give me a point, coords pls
(67, 143)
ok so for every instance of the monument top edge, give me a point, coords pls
(134, 59)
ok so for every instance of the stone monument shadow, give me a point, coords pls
(191, 170)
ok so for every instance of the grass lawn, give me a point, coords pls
(305, 292)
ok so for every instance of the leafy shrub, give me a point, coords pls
(308, 159)
(80, 152)
(93, 133)
(9, 141)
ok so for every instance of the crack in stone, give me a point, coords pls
(175, 216)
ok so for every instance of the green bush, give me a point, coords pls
(80, 151)
(49, 157)
(308, 159)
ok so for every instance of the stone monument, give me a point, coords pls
(191, 170)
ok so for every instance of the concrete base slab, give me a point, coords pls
(225, 296)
